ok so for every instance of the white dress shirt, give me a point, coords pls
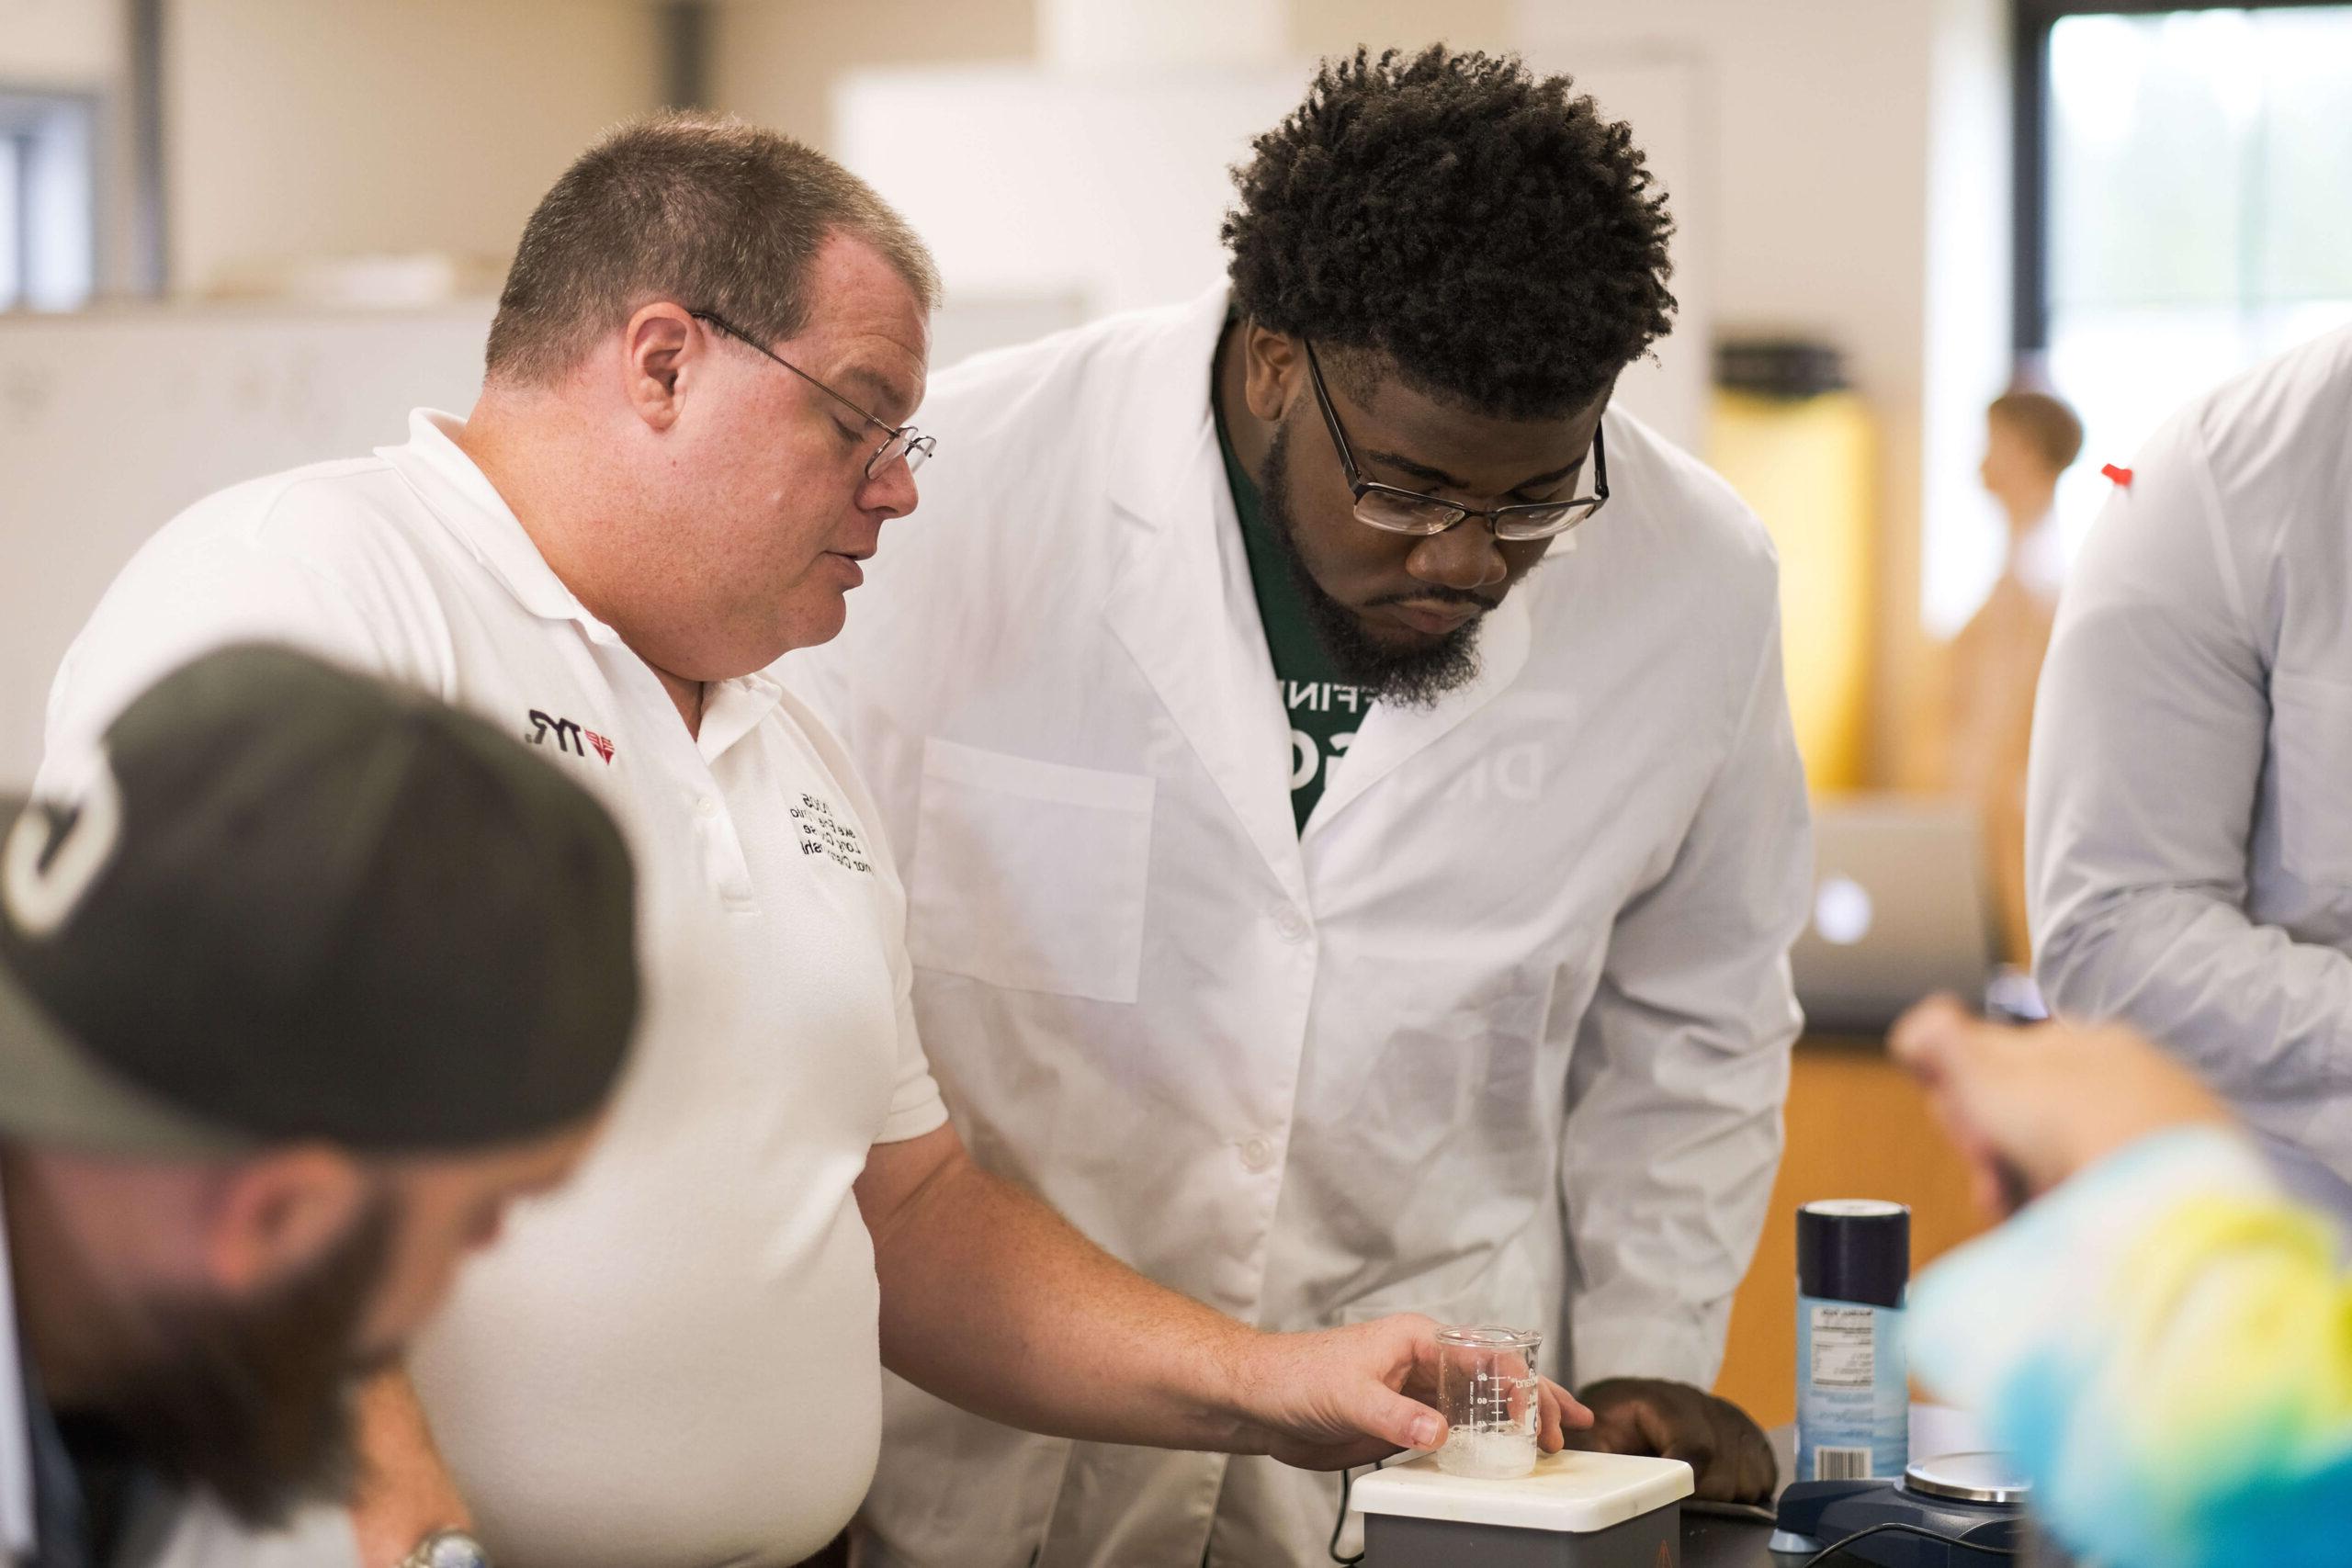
(2189, 824)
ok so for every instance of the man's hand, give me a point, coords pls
(405, 1492)
(2031, 1107)
(1732, 1460)
(1348, 1396)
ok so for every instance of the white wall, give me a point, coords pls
(61, 43)
(776, 61)
(318, 129)
(1963, 536)
(1106, 186)
(1858, 151)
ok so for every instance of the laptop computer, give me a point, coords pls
(1900, 911)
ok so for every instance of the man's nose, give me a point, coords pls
(889, 492)
(1464, 557)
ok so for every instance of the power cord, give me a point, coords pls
(1891, 1528)
(1347, 1484)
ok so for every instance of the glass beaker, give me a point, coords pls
(1486, 1389)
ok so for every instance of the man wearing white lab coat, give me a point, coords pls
(2189, 842)
(1327, 918)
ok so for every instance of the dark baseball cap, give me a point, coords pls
(291, 902)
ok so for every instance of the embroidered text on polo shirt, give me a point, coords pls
(824, 833)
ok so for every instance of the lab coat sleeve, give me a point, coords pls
(2164, 1345)
(2148, 751)
(1680, 1065)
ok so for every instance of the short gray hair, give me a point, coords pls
(703, 210)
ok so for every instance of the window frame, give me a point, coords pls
(27, 113)
(15, 224)
(2030, 22)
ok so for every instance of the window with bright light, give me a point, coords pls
(48, 200)
(2198, 215)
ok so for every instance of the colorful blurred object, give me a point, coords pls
(2164, 1345)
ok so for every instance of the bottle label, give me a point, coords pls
(1853, 1392)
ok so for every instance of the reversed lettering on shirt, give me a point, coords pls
(822, 832)
(1514, 774)
(1317, 707)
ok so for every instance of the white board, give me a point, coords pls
(111, 422)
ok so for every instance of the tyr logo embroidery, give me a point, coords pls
(569, 736)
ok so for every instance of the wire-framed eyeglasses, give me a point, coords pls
(1399, 510)
(899, 441)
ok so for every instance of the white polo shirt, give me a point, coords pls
(674, 1360)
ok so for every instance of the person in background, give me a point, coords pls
(2188, 842)
(1350, 864)
(691, 433)
(302, 983)
(2030, 438)
(2161, 1339)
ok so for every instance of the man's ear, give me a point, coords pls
(1273, 371)
(278, 1212)
(657, 345)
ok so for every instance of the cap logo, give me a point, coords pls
(55, 852)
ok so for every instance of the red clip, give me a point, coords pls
(2123, 477)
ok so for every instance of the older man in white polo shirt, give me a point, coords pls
(689, 436)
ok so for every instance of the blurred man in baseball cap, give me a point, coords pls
(306, 981)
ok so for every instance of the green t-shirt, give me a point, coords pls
(1324, 710)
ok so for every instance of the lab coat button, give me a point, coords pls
(705, 808)
(1291, 924)
(1258, 1154)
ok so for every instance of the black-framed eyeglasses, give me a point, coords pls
(1398, 511)
(900, 440)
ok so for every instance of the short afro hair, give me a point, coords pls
(1485, 229)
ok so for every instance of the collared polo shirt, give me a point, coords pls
(673, 1360)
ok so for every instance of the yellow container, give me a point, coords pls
(1807, 466)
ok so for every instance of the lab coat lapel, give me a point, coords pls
(1391, 735)
(1181, 604)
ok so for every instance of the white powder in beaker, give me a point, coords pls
(1491, 1454)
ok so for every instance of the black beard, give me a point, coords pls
(1407, 677)
(252, 1401)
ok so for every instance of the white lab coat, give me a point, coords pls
(1502, 1037)
(2188, 828)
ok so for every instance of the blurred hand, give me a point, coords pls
(1348, 1396)
(1673, 1420)
(2031, 1107)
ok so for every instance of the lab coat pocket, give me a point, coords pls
(2310, 738)
(1030, 875)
